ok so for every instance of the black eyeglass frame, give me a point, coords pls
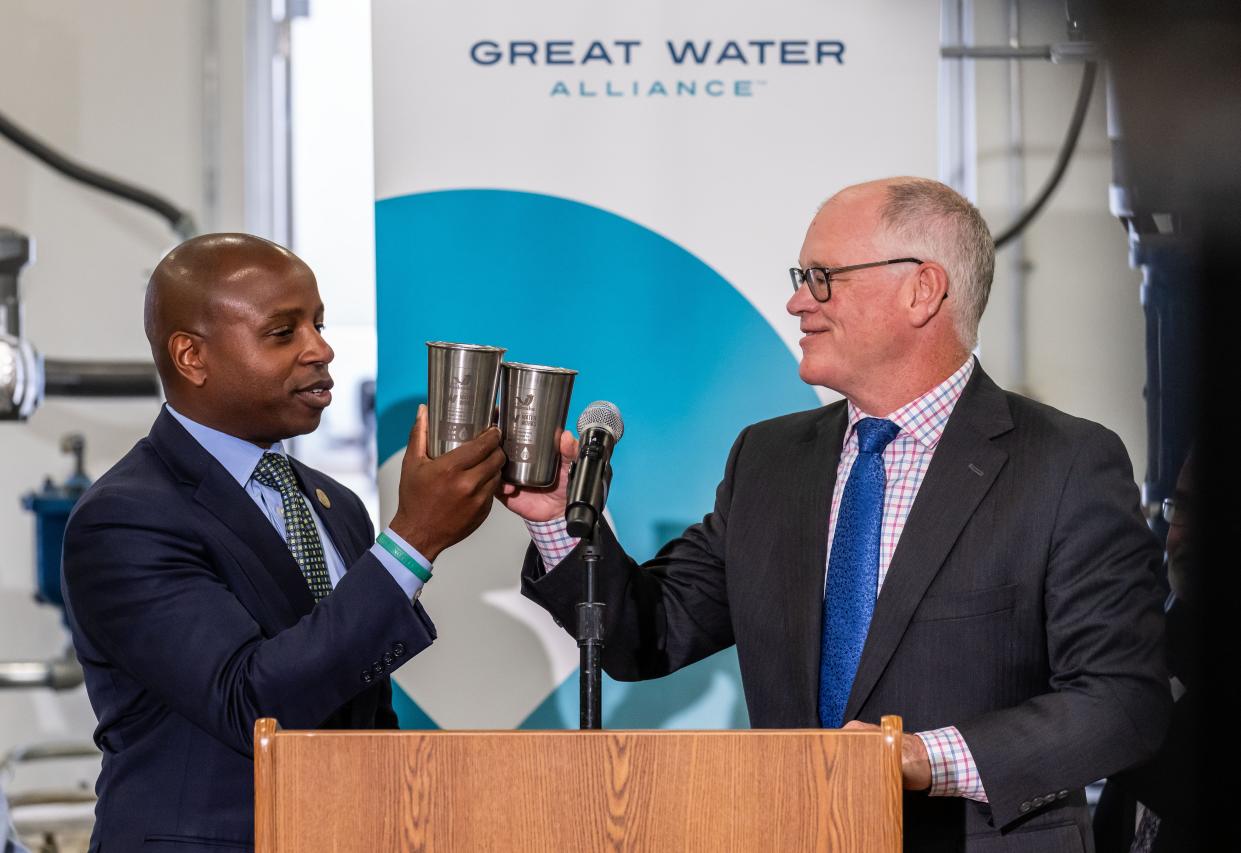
(800, 276)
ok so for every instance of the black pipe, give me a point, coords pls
(182, 221)
(1062, 159)
(63, 378)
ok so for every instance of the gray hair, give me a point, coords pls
(936, 223)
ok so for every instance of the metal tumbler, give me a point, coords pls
(461, 385)
(533, 403)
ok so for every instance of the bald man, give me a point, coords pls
(210, 579)
(932, 546)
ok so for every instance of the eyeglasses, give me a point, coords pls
(1175, 512)
(820, 278)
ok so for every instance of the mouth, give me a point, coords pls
(317, 395)
(810, 334)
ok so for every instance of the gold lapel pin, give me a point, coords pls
(323, 499)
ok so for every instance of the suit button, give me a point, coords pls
(1025, 807)
(367, 678)
(387, 658)
(398, 649)
(377, 668)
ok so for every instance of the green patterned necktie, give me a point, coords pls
(274, 471)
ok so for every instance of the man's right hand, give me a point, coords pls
(549, 503)
(441, 501)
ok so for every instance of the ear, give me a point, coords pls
(186, 351)
(927, 294)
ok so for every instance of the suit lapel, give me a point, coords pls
(961, 472)
(807, 558)
(332, 513)
(260, 551)
(235, 509)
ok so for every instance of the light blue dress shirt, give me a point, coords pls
(239, 458)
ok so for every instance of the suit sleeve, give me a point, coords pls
(1108, 703)
(385, 714)
(662, 615)
(147, 598)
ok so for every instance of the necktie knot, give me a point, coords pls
(275, 472)
(874, 434)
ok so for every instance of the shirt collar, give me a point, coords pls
(238, 456)
(925, 417)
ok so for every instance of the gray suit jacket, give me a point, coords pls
(1020, 606)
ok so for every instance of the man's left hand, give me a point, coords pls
(915, 763)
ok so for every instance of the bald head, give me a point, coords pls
(196, 279)
(236, 327)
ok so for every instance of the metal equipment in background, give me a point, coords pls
(1160, 247)
(26, 377)
(51, 819)
(51, 506)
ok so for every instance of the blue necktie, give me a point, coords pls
(853, 571)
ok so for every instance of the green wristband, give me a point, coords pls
(385, 542)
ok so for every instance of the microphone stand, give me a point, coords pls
(590, 641)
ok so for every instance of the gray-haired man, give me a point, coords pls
(932, 546)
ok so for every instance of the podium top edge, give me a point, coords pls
(536, 733)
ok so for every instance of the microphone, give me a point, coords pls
(599, 428)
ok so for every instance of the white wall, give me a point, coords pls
(1084, 324)
(120, 86)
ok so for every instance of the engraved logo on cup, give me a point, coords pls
(461, 393)
(523, 425)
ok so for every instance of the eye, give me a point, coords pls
(319, 327)
(282, 332)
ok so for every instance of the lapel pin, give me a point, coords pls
(973, 468)
(322, 496)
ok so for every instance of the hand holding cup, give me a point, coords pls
(443, 500)
(547, 503)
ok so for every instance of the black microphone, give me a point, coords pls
(599, 428)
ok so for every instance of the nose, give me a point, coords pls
(801, 302)
(1176, 537)
(319, 351)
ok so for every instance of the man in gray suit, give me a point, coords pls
(932, 546)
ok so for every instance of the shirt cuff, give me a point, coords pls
(407, 580)
(953, 773)
(552, 540)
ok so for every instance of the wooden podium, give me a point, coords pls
(748, 791)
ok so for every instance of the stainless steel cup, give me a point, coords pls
(533, 403)
(461, 385)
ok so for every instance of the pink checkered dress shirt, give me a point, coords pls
(905, 462)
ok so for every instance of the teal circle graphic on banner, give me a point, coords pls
(652, 328)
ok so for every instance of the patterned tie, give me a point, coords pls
(853, 571)
(274, 471)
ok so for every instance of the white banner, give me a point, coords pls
(619, 189)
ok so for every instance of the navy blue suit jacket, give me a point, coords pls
(192, 620)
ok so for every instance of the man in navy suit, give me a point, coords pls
(211, 579)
